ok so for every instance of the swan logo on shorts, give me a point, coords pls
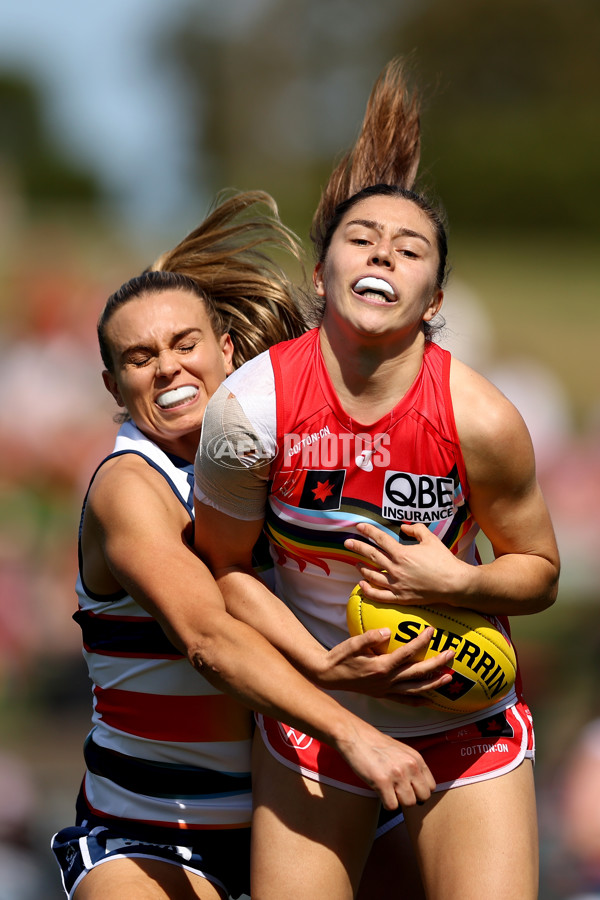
(70, 857)
(295, 739)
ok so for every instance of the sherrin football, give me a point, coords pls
(484, 665)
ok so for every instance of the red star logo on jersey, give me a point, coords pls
(323, 490)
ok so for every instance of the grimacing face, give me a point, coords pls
(379, 275)
(167, 363)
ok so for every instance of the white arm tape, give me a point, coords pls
(232, 463)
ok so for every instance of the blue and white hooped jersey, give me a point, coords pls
(167, 748)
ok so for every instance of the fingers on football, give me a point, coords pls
(376, 639)
(415, 687)
(421, 676)
(417, 646)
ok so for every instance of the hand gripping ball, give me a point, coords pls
(484, 666)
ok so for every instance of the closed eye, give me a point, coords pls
(139, 361)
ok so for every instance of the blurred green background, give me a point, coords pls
(118, 125)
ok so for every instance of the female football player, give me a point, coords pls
(363, 442)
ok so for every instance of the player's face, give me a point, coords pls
(167, 363)
(379, 276)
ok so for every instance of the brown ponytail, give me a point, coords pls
(386, 151)
(230, 257)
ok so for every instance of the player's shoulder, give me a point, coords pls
(246, 400)
(485, 418)
(127, 482)
(254, 376)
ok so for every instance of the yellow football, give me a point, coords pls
(484, 666)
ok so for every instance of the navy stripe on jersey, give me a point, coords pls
(135, 636)
(188, 502)
(161, 834)
(163, 780)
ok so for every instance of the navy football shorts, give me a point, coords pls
(221, 856)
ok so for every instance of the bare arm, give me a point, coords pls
(507, 503)
(358, 664)
(148, 556)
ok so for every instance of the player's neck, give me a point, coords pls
(371, 381)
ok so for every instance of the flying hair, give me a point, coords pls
(230, 257)
(387, 150)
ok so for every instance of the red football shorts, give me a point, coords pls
(484, 749)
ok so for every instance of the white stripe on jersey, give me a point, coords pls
(163, 677)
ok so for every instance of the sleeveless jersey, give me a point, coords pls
(331, 472)
(167, 749)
